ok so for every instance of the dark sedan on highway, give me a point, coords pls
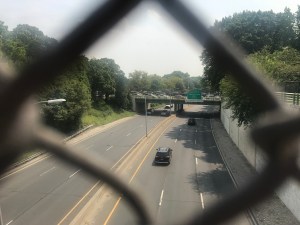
(163, 155)
(191, 122)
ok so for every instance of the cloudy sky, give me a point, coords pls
(145, 40)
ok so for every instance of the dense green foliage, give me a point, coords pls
(72, 85)
(270, 42)
(24, 44)
(253, 31)
(92, 88)
(280, 66)
(244, 109)
(103, 114)
(77, 84)
(175, 82)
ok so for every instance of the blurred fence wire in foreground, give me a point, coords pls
(21, 129)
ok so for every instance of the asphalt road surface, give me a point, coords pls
(47, 191)
(195, 179)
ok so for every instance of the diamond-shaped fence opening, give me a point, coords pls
(20, 129)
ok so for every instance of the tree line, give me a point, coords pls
(87, 83)
(270, 41)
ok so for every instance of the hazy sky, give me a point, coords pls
(145, 40)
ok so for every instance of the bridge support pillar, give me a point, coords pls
(133, 103)
(175, 107)
(140, 107)
(178, 107)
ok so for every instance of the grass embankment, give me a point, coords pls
(103, 114)
(100, 115)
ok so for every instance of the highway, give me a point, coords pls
(196, 178)
(47, 191)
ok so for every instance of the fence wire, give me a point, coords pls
(19, 118)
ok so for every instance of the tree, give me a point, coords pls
(281, 67)
(177, 81)
(24, 44)
(253, 31)
(34, 41)
(101, 73)
(297, 29)
(243, 107)
(205, 85)
(15, 52)
(156, 83)
(195, 82)
(213, 73)
(73, 86)
(78, 84)
(179, 86)
(178, 74)
(121, 95)
(138, 81)
(3, 33)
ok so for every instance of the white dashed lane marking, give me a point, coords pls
(109, 148)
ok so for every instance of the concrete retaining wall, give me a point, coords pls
(289, 193)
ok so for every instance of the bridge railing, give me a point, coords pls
(215, 98)
(289, 98)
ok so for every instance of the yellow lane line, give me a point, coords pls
(112, 211)
(152, 130)
(134, 174)
(60, 222)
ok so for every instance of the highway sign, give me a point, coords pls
(194, 94)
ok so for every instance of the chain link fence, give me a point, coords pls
(21, 129)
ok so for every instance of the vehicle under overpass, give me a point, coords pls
(139, 103)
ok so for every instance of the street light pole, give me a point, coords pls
(52, 101)
(170, 104)
(146, 116)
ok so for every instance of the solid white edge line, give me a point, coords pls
(202, 202)
(196, 161)
(175, 140)
(161, 197)
(25, 167)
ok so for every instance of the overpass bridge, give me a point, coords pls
(139, 102)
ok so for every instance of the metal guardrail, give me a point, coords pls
(289, 98)
(216, 99)
(19, 118)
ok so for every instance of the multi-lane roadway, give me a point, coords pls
(47, 191)
(195, 179)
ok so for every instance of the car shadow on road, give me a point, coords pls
(160, 164)
(201, 141)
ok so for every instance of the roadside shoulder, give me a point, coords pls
(269, 212)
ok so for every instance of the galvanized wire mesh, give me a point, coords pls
(18, 121)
